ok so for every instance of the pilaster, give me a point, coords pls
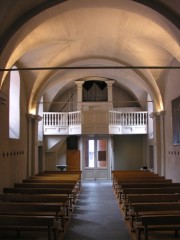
(158, 122)
(32, 144)
(110, 94)
(79, 94)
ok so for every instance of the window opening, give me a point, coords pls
(14, 104)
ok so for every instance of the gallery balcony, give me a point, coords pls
(94, 122)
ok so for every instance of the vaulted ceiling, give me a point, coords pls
(96, 38)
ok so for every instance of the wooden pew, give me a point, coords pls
(61, 199)
(57, 176)
(122, 173)
(25, 190)
(74, 185)
(120, 188)
(34, 209)
(139, 209)
(67, 192)
(157, 223)
(151, 190)
(151, 184)
(164, 190)
(118, 185)
(46, 184)
(75, 189)
(148, 198)
(52, 188)
(28, 223)
(53, 179)
(118, 174)
(58, 173)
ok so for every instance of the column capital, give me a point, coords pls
(33, 117)
(109, 83)
(79, 82)
(157, 115)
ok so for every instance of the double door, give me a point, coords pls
(96, 159)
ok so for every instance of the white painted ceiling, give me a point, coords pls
(91, 33)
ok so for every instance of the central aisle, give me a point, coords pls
(97, 215)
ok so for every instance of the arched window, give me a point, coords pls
(40, 123)
(14, 104)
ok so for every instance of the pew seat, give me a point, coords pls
(30, 223)
(158, 208)
(150, 223)
(148, 198)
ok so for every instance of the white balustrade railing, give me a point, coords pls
(128, 118)
(61, 118)
(74, 118)
(70, 122)
(55, 119)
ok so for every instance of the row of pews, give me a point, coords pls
(43, 202)
(150, 203)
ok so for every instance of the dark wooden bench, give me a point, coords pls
(29, 223)
(149, 185)
(71, 196)
(55, 185)
(145, 185)
(120, 175)
(61, 199)
(38, 190)
(118, 184)
(34, 209)
(62, 173)
(76, 185)
(170, 222)
(45, 184)
(57, 176)
(145, 198)
(117, 174)
(164, 190)
(140, 209)
(54, 179)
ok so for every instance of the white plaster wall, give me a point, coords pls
(129, 152)
(172, 153)
(66, 102)
(122, 98)
(13, 152)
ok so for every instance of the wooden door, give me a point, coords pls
(73, 160)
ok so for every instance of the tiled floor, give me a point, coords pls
(97, 215)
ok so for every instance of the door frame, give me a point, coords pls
(95, 173)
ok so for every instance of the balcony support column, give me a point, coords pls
(79, 94)
(109, 92)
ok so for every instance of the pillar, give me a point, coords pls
(159, 158)
(79, 94)
(32, 144)
(110, 93)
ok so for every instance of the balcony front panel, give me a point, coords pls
(95, 122)
(55, 130)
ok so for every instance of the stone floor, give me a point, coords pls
(97, 215)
